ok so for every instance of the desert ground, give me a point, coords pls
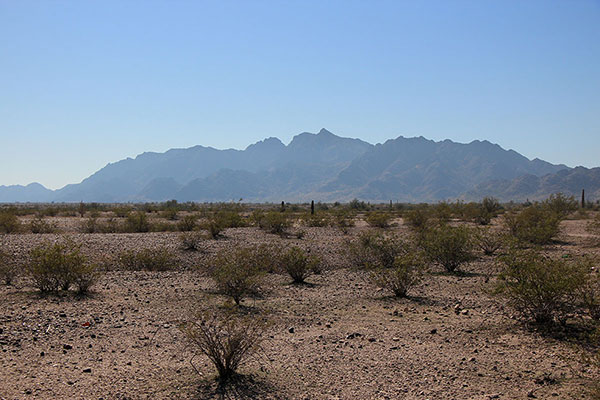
(337, 337)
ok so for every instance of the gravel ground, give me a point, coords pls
(338, 337)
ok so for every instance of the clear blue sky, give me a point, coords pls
(84, 83)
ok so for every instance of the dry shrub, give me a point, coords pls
(56, 266)
(343, 220)
(536, 224)
(159, 259)
(448, 246)
(40, 225)
(188, 223)
(590, 296)
(540, 288)
(227, 339)
(9, 222)
(372, 250)
(405, 273)
(237, 274)
(489, 240)
(392, 263)
(298, 264)
(378, 219)
(317, 220)
(273, 222)
(191, 241)
(137, 222)
(8, 271)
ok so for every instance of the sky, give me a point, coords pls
(85, 83)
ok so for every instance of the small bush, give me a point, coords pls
(188, 223)
(379, 219)
(318, 220)
(148, 259)
(560, 204)
(540, 288)
(169, 213)
(373, 250)
(298, 265)
(40, 225)
(418, 219)
(273, 222)
(85, 276)
(237, 274)
(56, 266)
(191, 240)
(121, 211)
(343, 220)
(448, 246)
(590, 296)
(404, 274)
(227, 339)
(137, 222)
(489, 241)
(267, 257)
(89, 225)
(9, 222)
(8, 272)
(536, 224)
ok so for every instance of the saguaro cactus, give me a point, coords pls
(312, 207)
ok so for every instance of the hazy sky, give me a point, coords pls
(84, 83)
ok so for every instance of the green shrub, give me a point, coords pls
(536, 224)
(85, 276)
(318, 220)
(404, 274)
(191, 240)
(237, 274)
(169, 213)
(540, 288)
(560, 204)
(137, 222)
(298, 265)
(57, 266)
(267, 257)
(188, 223)
(373, 250)
(378, 219)
(489, 240)
(418, 219)
(343, 220)
(8, 272)
(122, 211)
(481, 213)
(227, 339)
(448, 246)
(89, 225)
(9, 222)
(111, 225)
(273, 222)
(159, 259)
(590, 296)
(40, 225)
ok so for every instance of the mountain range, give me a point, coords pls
(323, 167)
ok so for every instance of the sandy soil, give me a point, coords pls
(338, 337)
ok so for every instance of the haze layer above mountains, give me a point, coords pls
(323, 167)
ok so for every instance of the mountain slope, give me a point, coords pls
(325, 167)
(568, 181)
(417, 169)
